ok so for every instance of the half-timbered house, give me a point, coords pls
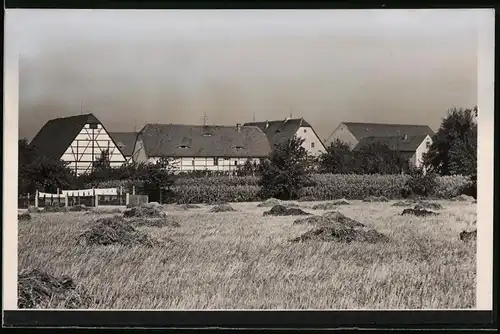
(80, 140)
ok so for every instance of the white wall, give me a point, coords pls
(87, 147)
(186, 164)
(311, 142)
(343, 134)
(421, 150)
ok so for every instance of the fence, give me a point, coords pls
(87, 197)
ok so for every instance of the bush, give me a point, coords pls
(419, 183)
(450, 186)
(214, 194)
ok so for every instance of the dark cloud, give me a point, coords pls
(391, 69)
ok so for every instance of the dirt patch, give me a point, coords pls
(307, 199)
(418, 212)
(468, 236)
(375, 199)
(222, 208)
(341, 233)
(37, 289)
(168, 221)
(281, 210)
(24, 217)
(144, 211)
(109, 231)
(463, 198)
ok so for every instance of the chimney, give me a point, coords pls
(267, 124)
(238, 127)
(286, 119)
(405, 137)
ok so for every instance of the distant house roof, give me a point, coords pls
(362, 130)
(177, 140)
(125, 141)
(395, 143)
(56, 135)
(279, 131)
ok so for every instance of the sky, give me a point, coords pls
(135, 67)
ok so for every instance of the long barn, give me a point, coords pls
(79, 140)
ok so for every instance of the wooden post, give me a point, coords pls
(36, 199)
(66, 200)
(127, 198)
(96, 200)
(121, 194)
(133, 190)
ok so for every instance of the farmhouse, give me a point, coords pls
(125, 142)
(279, 131)
(201, 147)
(79, 140)
(412, 141)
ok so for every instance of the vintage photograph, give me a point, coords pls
(173, 160)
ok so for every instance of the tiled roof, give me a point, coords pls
(125, 141)
(362, 130)
(279, 131)
(177, 140)
(395, 143)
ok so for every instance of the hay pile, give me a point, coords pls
(340, 218)
(37, 289)
(280, 210)
(468, 236)
(463, 198)
(342, 201)
(269, 203)
(307, 199)
(375, 199)
(338, 232)
(55, 208)
(24, 217)
(418, 204)
(222, 208)
(144, 211)
(116, 230)
(419, 212)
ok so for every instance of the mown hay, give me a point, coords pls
(116, 230)
(341, 233)
(342, 201)
(24, 217)
(468, 236)
(167, 221)
(418, 212)
(38, 289)
(324, 206)
(281, 210)
(144, 211)
(375, 199)
(222, 208)
(307, 199)
(268, 203)
(463, 198)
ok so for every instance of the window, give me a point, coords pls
(428, 144)
(93, 126)
(206, 134)
(236, 163)
(305, 130)
(238, 148)
(312, 145)
(216, 162)
(192, 162)
(183, 146)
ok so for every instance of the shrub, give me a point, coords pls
(419, 183)
(450, 186)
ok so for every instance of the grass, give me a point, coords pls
(243, 260)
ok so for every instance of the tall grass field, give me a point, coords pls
(244, 260)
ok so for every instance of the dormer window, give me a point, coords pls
(183, 146)
(428, 144)
(207, 134)
(238, 147)
(305, 130)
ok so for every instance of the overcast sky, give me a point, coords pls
(134, 67)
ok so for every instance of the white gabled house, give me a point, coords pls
(79, 140)
(201, 147)
(279, 131)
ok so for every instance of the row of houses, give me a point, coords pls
(80, 141)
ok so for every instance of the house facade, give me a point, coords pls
(280, 131)
(412, 141)
(79, 140)
(201, 147)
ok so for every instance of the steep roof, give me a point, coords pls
(177, 140)
(279, 131)
(56, 135)
(125, 141)
(395, 143)
(362, 130)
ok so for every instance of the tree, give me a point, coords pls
(159, 179)
(338, 159)
(40, 172)
(454, 147)
(378, 158)
(284, 172)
